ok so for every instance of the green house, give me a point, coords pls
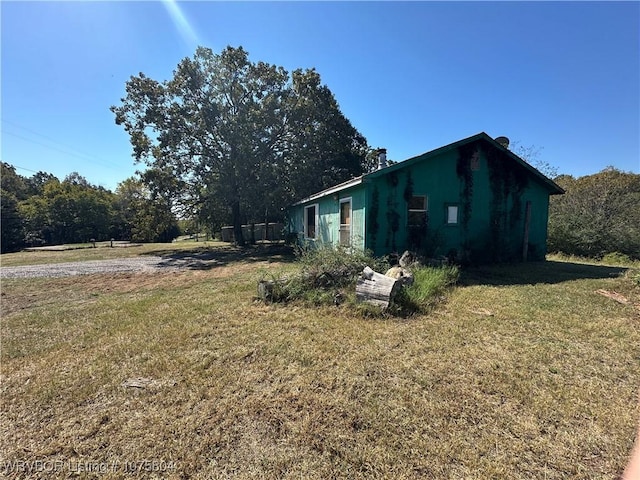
(473, 200)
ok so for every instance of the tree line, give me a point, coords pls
(41, 210)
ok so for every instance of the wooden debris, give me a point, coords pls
(143, 382)
(614, 296)
(138, 382)
(483, 312)
(407, 259)
(402, 274)
(376, 288)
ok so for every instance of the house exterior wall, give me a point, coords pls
(490, 192)
(489, 188)
(329, 218)
(435, 179)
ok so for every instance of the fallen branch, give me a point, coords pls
(614, 296)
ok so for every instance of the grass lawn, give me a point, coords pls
(82, 252)
(524, 372)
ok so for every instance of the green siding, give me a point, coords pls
(489, 186)
(491, 192)
(329, 218)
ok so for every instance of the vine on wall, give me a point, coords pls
(416, 234)
(373, 216)
(408, 189)
(465, 174)
(507, 181)
(393, 217)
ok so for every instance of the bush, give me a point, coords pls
(597, 215)
(336, 266)
(430, 283)
(328, 275)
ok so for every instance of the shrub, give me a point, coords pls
(336, 266)
(328, 276)
(597, 215)
(430, 283)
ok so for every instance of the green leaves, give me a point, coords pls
(255, 137)
(598, 214)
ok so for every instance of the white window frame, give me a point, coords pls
(345, 200)
(448, 216)
(306, 221)
(425, 211)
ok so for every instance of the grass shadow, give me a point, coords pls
(549, 272)
(206, 258)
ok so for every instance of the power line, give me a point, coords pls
(52, 140)
(78, 154)
(22, 168)
(66, 152)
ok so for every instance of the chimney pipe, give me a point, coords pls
(382, 158)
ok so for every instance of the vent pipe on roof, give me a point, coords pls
(382, 158)
(504, 141)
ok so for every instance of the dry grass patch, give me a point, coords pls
(542, 384)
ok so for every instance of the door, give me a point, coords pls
(345, 222)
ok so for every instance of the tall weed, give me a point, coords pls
(430, 283)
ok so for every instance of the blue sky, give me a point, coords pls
(411, 77)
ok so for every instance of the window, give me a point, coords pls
(452, 214)
(345, 221)
(474, 163)
(311, 221)
(417, 211)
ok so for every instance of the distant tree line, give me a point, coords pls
(598, 214)
(41, 209)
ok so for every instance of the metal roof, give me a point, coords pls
(554, 189)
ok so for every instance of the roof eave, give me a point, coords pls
(554, 189)
(330, 191)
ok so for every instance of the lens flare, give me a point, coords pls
(183, 26)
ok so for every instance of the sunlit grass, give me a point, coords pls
(524, 372)
(613, 259)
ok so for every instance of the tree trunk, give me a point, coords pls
(237, 224)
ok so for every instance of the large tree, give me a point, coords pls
(11, 223)
(12, 183)
(244, 135)
(141, 218)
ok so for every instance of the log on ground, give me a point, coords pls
(376, 288)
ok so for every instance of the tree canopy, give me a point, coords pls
(598, 214)
(41, 209)
(231, 139)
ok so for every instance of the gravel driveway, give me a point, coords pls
(198, 260)
(117, 265)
